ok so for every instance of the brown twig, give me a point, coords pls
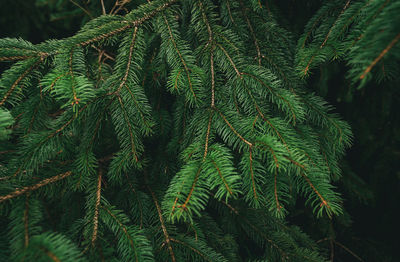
(102, 7)
(96, 209)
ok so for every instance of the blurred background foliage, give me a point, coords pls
(368, 231)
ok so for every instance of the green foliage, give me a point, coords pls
(179, 131)
(363, 33)
(6, 120)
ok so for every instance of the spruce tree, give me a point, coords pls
(184, 130)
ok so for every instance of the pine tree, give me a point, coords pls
(180, 131)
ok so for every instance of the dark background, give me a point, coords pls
(371, 168)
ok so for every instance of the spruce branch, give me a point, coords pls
(380, 56)
(164, 229)
(26, 189)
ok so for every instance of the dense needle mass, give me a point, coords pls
(178, 131)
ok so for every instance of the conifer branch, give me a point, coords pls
(131, 135)
(229, 11)
(326, 37)
(196, 178)
(243, 9)
(19, 79)
(129, 24)
(192, 248)
(230, 60)
(278, 206)
(187, 70)
(124, 230)
(26, 189)
(128, 119)
(50, 254)
(323, 201)
(330, 30)
(164, 229)
(233, 129)
(380, 56)
(222, 177)
(272, 91)
(128, 65)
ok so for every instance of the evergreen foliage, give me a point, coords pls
(180, 131)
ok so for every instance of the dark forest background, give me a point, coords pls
(371, 169)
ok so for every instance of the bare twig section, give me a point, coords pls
(103, 9)
(210, 41)
(96, 209)
(348, 250)
(26, 189)
(119, 5)
(212, 78)
(376, 60)
(164, 229)
(331, 240)
(208, 134)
